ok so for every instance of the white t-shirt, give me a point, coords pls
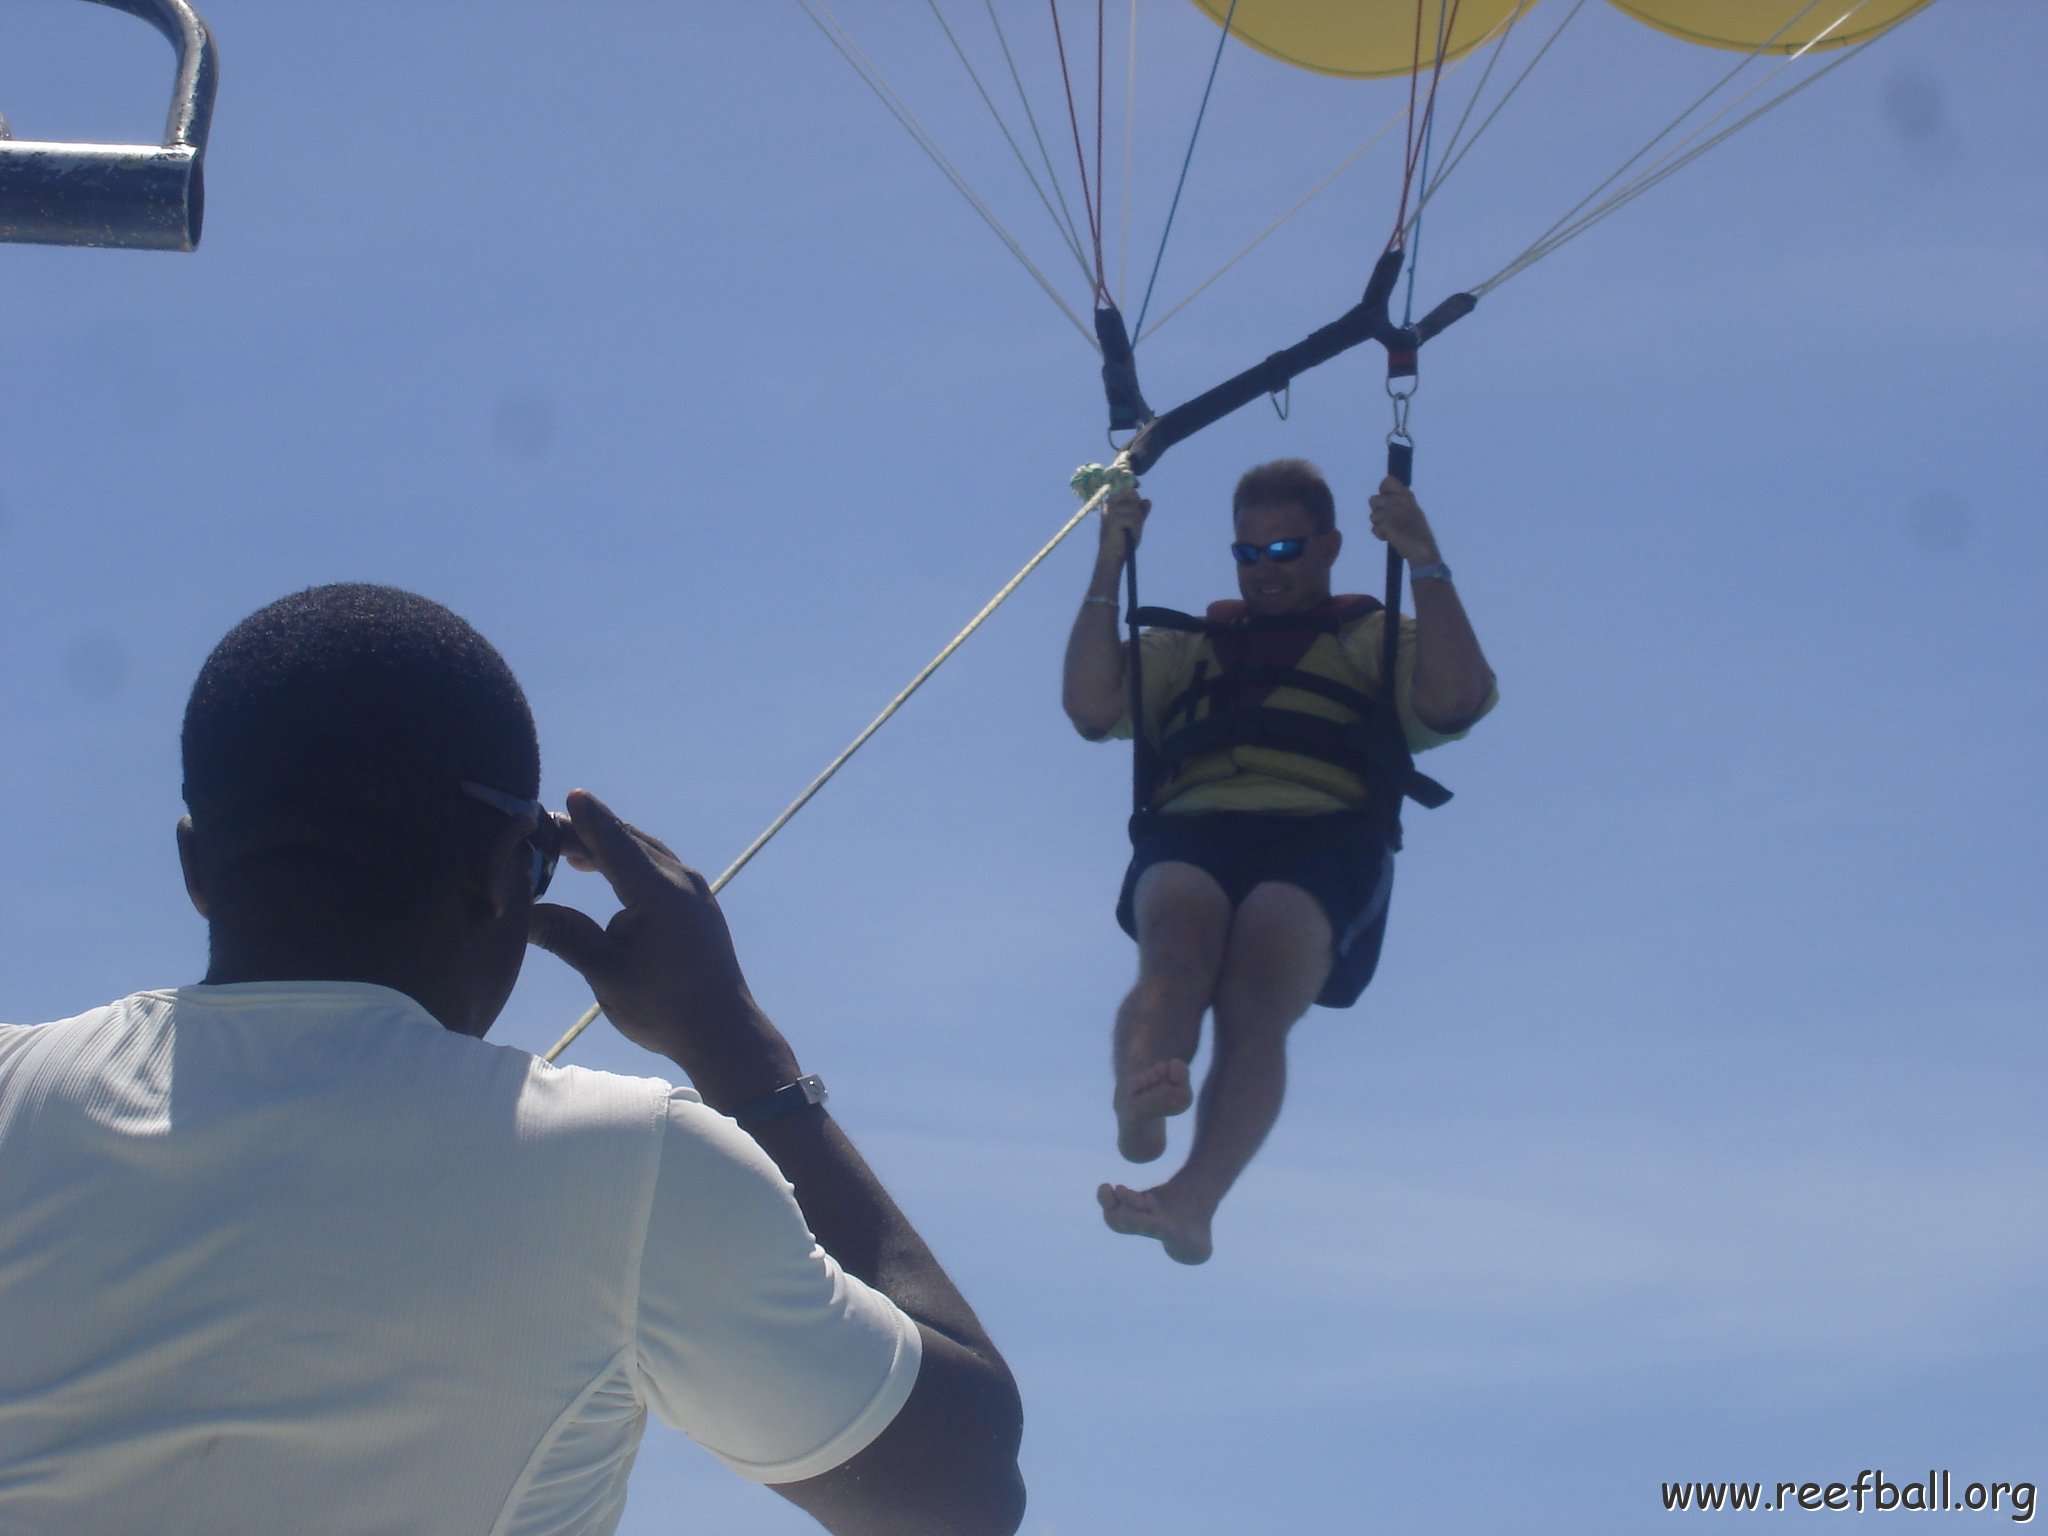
(290, 1256)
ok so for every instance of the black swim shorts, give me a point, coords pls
(1338, 858)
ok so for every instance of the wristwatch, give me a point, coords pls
(1436, 570)
(801, 1094)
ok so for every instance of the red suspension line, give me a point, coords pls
(1418, 128)
(1101, 277)
(1091, 202)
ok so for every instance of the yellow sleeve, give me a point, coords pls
(1362, 649)
(1162, 658)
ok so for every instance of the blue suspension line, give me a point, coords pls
(1428, 133)
(1186, 161)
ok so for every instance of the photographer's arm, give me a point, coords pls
(665, 973)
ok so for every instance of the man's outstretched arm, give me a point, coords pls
(666, 975)
(1092, 681)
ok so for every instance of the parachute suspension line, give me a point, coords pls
(1101, 185)
(1671, 127)
(1680, 156)
(1145, 332)
(1187, 160)
(1664, 169)
(1122, 462)
(1418, 135)
(1044, 155)
(1306, 198)
(1459, 147)
(1411, 237)
(1182, 183)
(1408, 152)
(1123, 256)
(1073, 244)
(886, 94)
(1493, 56)
(1091, 202)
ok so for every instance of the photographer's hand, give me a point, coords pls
(663, 969)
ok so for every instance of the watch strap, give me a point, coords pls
(801, 1094)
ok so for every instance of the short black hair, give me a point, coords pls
(338, 724)
(1294, 480)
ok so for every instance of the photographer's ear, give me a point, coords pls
(499, 870)
(188, 861)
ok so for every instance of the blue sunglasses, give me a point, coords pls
(1280, 551)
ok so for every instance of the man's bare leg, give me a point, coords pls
(1182, 918)
(1275, 962)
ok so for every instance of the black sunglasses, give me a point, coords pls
(545, 840)
(1280, 551)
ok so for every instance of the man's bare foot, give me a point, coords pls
(1152, 1213)
(1143, 1101)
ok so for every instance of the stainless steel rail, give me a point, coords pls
(137, 196)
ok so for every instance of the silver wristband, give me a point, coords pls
(1436, 570)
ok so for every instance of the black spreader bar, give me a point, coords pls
(1365, 321)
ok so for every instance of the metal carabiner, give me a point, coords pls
(146, 197)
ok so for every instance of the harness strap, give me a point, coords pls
(1144, 767)
(1167, 618)
(1254, 678)
(1127, 408)
(1373, 746)
(1332, 741)
(1185, 703)
(1356, 747)
(1328, 623)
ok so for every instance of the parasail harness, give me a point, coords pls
(1227, 707)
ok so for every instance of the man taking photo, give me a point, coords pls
(295, 1249)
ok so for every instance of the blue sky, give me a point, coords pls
(1692, 1128)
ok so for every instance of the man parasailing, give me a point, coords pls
(1261, 860)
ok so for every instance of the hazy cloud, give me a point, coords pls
(524, 424)
(1915, 109)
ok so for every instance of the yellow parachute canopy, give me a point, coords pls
(1363, 39)
(1773, 26)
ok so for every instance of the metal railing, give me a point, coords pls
(136, 196)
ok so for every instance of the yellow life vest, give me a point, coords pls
(1279, 699)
